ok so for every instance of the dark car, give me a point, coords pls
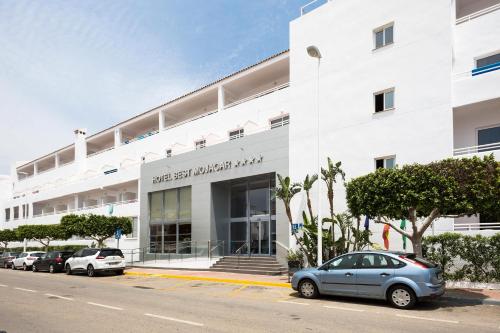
(52, 261)
(6, 259)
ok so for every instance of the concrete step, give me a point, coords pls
(248, 271)
(262, 267)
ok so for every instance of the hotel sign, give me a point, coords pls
(206, 169)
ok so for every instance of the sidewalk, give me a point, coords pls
(233, 278)
(473, 296)
(463, 295)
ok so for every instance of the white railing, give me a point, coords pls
(116, 203)
(101, 151)
(477, 149)
(257, 95)
(478, 13)
(476, 226)
(191, 119)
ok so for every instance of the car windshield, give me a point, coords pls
(111, 252)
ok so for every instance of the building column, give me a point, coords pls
(57, 161)
(30, 210)
(220, 98)
(35, 169)
(161, 120)
(77, 201)
(118, 137)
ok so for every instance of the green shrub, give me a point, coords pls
(68, 247)
(462, 257)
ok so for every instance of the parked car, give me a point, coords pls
(52, 261)
(93, 261)
(6, 259)
(400, 278)
(26, 259)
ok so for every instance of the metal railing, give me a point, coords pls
(116, 203)
(476, 226)
(176, 251)
(239, 251)
(257, 95)
(477, 149)
(478, 13)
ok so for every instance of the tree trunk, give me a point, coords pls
(416, 241)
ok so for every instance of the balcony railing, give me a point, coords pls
(257, 95)
(116, 203)
(476, 226)
(476, 149)
(141, 136)
(478, 13)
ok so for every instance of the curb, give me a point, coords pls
(211, 279)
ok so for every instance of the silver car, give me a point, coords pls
(400, 278)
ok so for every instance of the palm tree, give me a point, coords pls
(285, 192)
(307, 186)
(329, 176)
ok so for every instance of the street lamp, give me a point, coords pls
(313, 52)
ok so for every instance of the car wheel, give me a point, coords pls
(51, 269)
(5, 265)
(119, 272)
(90, 271)
(68, 269)
(13, 266)
(25, 268)
(402, 297)
(308, 289)
(33, 268)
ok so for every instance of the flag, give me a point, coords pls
(367, 223)
(402, 226)
(385, 236)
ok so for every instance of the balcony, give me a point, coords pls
(476, 129)
(467, 10)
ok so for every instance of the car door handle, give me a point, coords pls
(348, 274)
(384, 274)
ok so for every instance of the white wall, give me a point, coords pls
(467, 120)
(418, 65)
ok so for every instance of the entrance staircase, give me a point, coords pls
(264, 265)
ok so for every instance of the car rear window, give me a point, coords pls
(37, 254)
(111, 252)
(65, 255)
(420, 260)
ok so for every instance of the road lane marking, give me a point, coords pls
(3, 285)
(342, 308)
(174, 319)
(292, 302)
(29, 290)
(105, 306)
(429, 319)
(61, 297)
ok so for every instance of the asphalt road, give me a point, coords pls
(42, 302)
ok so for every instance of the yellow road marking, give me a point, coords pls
(212, 279)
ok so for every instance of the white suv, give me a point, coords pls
(92, 261)
(26, 259)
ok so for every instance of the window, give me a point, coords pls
(173, 227)
(236, 134)
(78, 254)
(16, 212)
(490, 60)
(345, 262)
(111, 253)
(89, 252)
(487, 136)
(168, 152)
(384, 100)
(384, 35)
(280, 121)
(200, 144)
(371, 260)
(7, 214)
(385, 162)
(397, 264)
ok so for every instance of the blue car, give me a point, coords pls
(400, 278)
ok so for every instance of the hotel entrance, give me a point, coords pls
(252, 227)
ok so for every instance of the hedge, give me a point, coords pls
(465, 258)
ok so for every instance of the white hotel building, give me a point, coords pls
(399, 82)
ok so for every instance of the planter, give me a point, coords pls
(472, 285)
(294, 265)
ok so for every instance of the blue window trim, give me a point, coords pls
(486, 69)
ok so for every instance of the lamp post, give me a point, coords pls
(313, 52)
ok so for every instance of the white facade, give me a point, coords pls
(438, 109)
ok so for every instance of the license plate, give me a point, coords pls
(113, 263)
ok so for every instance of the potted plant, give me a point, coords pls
(295, 260)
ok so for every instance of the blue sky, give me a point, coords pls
(90, 64)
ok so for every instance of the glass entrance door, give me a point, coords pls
(251, 216)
